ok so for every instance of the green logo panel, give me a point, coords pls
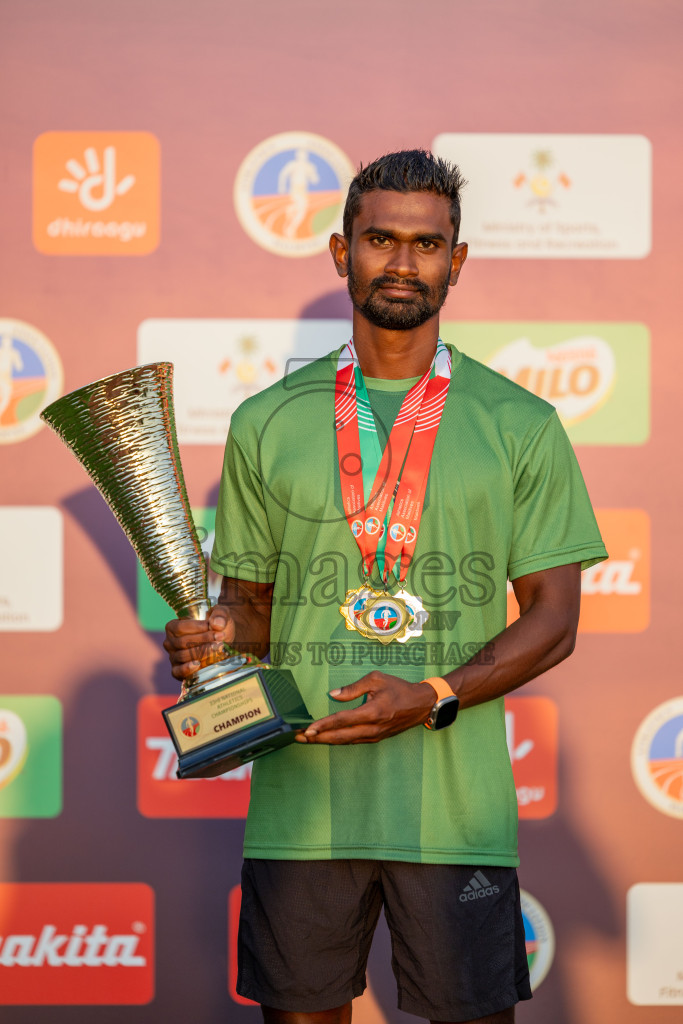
(597, 375)
(30, 757)
(153, 612)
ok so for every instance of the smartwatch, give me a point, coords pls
(445, 709)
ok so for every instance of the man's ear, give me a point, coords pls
(339, 247)
(458, 257)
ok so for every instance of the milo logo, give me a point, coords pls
(575, 376)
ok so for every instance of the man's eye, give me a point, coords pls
(427, 244)
(380, 240)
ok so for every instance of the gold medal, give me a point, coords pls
(377, 615)
(354, 605)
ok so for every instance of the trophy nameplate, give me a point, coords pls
(257, 710)
(122, 430)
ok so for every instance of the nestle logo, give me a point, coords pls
(79, 944)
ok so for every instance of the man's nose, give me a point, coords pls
(402, 261)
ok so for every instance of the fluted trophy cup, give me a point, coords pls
(122, 430)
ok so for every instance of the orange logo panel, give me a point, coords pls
(96, 193)
(615, 594)
(531, 730)
(161, 794)
(76, 943)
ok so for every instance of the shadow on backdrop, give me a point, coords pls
(100, 837)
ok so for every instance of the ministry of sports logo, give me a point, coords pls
(657, 758)
(30, 378)
(542, 181)
(289, 192)
(539, 937)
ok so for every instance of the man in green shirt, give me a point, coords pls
(400, 483)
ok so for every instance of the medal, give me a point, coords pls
(396, 503)
(378, 615)
(354, 605)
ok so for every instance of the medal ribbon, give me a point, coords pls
(410, 446)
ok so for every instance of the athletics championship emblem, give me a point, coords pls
(30, 378)
(397, 532)
(377, 615)
(384, 618)
(657, 758)
(289, 192)
(539, 937)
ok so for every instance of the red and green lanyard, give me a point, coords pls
(387, 489)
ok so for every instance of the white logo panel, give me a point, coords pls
(554, 196)
(31, 548)
(220, 363)
(654, 944)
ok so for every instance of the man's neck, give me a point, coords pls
(393, 355)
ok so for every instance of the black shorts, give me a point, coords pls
(457, 936)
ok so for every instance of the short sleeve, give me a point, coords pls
(243, 548)
(553, 521)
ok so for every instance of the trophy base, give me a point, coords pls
(245, 714)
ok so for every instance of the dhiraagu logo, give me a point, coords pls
(153, 612)
(597, 375)
(96, 193)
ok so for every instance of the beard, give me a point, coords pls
(394, 314)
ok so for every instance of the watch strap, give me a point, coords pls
(440, 687)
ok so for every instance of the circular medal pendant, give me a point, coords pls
(377, 615)
(419, 615)
(354, 605)
(385, 618)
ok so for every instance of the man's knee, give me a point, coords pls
(337, 1015)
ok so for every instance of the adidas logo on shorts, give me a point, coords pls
(477, 888)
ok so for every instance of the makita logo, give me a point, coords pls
(478, 888)
(84, 947)
(78, 943)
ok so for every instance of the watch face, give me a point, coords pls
(445, 713)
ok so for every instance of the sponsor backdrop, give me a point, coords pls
(169, 177)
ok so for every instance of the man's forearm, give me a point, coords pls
(249, 606)
(528, 647)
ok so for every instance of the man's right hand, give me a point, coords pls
(191, 643)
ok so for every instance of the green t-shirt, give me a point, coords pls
(505, 497)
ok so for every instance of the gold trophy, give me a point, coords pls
(122, 430)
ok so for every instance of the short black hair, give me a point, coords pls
(410, 170)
